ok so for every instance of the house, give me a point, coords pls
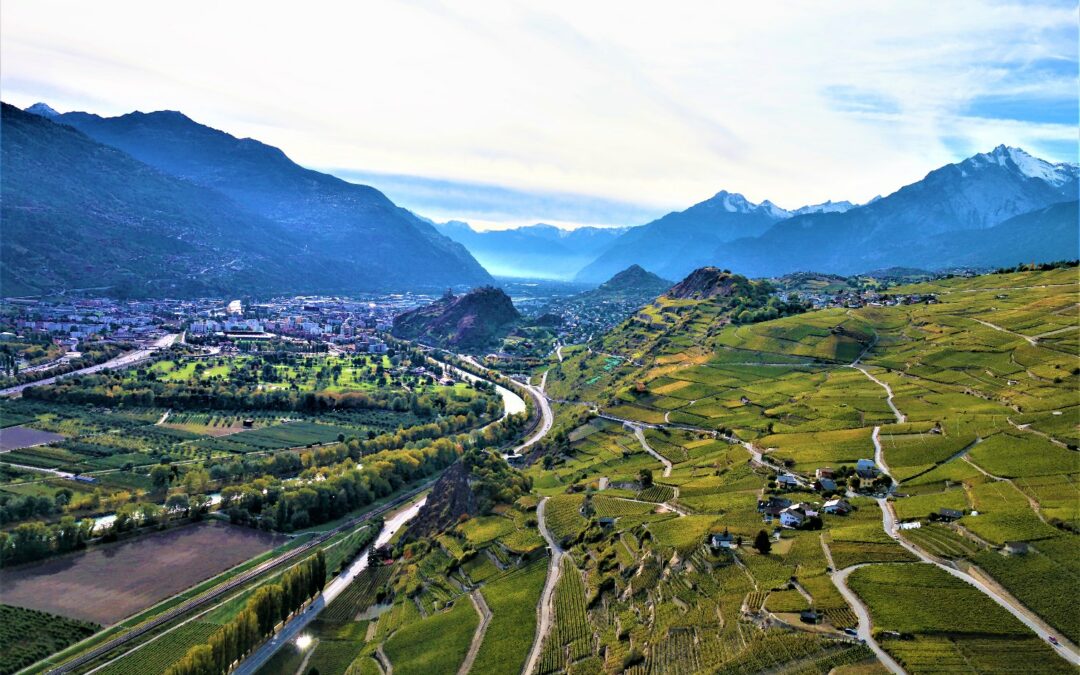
(837, 506)
(1015, 548)
(827, 484)
(248, 423)
(823, 472)
(772, 506)
(725, 540)
(866, 469)
(950, 514)
(607, 522)
(811, 616)
(792, 516)
(787, 481)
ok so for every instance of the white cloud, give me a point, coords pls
(661, 104)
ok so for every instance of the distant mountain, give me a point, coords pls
(908, 227)
(81, 215)
(358, 239)
(471, 321)
(632, 280)
(43, 110)
(825, 207)
(681, 241)
(535, 251)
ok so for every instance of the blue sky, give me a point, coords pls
(511, 112)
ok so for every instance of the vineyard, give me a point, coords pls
(27, 635)
(358, 595)
(656, 493)
(571, 636)
(163, 652)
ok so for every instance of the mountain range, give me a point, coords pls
(156, 203)
(949, 218)
(538, 251)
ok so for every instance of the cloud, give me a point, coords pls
(627, 103)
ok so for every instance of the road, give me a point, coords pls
(547, 418)
(545, 609)
(1066, 650)
(122, 361)
(865, 627)
(295, 626)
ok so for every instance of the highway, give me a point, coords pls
(122, 361)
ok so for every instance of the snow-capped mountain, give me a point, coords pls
(1016, 159)
(683, 240)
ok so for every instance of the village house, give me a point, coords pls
(722, 540)
(837, 507)
(827, 484)
(792, 516)
(866, 468)
(950, 514)
(1015, 548)
(771, 507)
(787, 481)
(823, 472)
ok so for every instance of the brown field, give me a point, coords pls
(13, 438)
(114, 581)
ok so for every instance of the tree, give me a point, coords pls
(160, 476)
(762, 543)
(645, 478)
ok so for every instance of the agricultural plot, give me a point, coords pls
(358, 596)
(512, 599)
(571, 637)
(156, 658)
(563, 516)
(1004, 515)
(15, 437)
(435, 644)
(1019, 454)
(85, 585)
(27, 636)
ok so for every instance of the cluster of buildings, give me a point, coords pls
(854, 299)
(349, 323)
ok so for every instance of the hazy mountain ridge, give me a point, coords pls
(539, 251)
(79, 214)
(360, 239)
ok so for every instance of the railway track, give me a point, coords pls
(227, 586)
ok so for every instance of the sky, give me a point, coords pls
(504, 113)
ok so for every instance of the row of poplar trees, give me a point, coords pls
(269, 605)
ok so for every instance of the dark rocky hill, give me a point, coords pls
(471, 321)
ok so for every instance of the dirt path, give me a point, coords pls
(546, 608)
(478, 637)
(1027, 428)
(1032, 341)
(640, 434)
(384, 660)
(900, 417)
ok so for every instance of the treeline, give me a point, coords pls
(111, 390)
(269, 605)
(759, 303)
(1036, 267)
(36, 540)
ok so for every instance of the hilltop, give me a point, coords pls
(474, 320)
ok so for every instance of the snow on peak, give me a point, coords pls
(733, 202)
(1019, 160)
(42, 110)
(825, 207)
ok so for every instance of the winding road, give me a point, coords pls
(639, 433)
